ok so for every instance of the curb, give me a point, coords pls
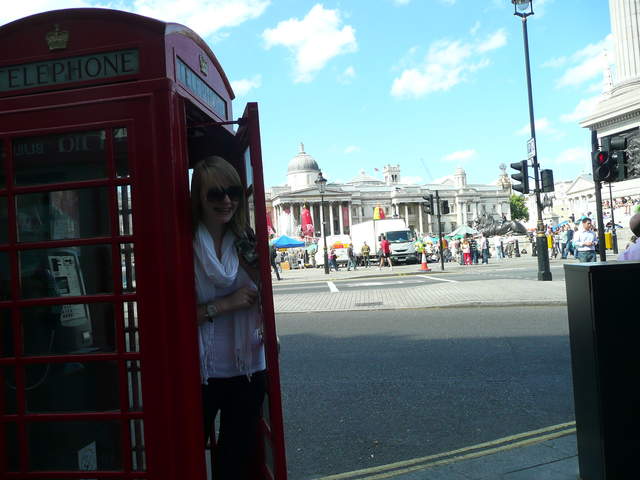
(488, 304)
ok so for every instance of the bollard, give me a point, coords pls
(517, 250)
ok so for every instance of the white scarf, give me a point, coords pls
(223, 273)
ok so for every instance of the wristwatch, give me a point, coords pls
(212, 311)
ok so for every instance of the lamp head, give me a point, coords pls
(321, 182)
(522, 8)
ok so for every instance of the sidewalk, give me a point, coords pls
(443, 291)
(547, 454)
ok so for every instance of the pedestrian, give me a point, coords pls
(585, 242)
(466, 252)
(351, 262)
(365, 251)
(333, 259)
(473, 245)
(273, 253)
(484, 248)
(498, 247)
(385, 252)
(232, 362)
(632, 251)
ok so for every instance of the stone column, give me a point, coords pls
(350, 205)
(331, 219)
(340, 219)
(291, 230)
(406, 213)
(321, 221)
(625, 23)
(419, 205)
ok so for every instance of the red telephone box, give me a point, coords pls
(101, 115)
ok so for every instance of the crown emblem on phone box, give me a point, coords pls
(57, 39)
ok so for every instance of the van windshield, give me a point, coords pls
(400, 236)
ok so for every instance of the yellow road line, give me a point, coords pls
(421, 463)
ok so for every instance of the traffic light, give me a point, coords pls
(445, 207)
(546, 178)
(618, 158)
(428, 205)
(602, 168)
(522, 177)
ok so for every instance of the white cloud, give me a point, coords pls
(352, 149)
(206, 17)
(476, 26)
(555, 62)
(401, 2)
(460, 155)
(574, 155)
(347, 75)
(314, 40)
(543, 125)
(446, 64)
(243, 86)
(14, 10)
(587, 64)
(584, 108)
(496, 40)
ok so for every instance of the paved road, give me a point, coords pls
(369, 388)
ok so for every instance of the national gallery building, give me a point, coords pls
(354, 201)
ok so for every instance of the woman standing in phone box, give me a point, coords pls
(232, 359)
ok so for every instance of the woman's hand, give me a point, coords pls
(242, 298)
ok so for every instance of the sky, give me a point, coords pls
(430, 85)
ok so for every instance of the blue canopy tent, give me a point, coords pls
(287, 242)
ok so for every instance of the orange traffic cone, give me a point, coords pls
(424, 267)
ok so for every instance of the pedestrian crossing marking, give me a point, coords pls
(431, 277)
(332, 287)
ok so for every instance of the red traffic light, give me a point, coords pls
(602, 157)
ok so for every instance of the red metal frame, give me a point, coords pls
(151, 105)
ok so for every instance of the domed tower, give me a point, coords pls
(460, 177)
(504, 181)
(302, 170)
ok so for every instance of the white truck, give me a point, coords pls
(339, 243)
(401, 239)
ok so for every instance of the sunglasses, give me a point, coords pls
(234, 192)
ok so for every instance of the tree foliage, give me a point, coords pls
(519, 210)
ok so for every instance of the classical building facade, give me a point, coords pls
(618, 112)
(354, 201)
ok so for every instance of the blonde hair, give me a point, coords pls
(216, 172)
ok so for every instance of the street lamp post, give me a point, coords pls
(321, 182)
(522, 9)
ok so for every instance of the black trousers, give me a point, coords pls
(275, 269)
(238, 401)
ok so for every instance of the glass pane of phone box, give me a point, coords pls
(65, 214)
(63, 272)
(74, 445)
(68, 329)
(57, 158)
(72, 387)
